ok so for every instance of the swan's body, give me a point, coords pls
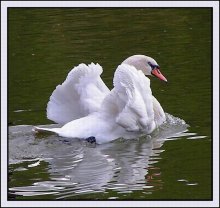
(86, 107)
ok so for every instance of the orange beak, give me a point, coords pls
(156, 72)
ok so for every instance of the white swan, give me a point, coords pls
(88, 109)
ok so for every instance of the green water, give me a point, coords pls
(45, 44)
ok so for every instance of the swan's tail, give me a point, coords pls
(39, 129)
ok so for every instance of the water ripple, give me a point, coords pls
(74, 168)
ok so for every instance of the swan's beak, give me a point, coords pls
(156, 72)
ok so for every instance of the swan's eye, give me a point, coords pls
(153, 66)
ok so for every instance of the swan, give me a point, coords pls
(87, 109)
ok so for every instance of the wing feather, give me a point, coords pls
(130, 101)
(80, 94)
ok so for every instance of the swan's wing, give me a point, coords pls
(159, 115)
(80, 94)
(130, 102)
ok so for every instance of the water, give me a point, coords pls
(172, 163)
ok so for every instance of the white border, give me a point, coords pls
(216, 103)
(110, 4)
(214, 4)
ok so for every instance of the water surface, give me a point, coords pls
(172, 163)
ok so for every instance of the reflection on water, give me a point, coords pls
(76, 167)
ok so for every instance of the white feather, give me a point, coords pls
(133, 94)
(88, 108)
(80, 94)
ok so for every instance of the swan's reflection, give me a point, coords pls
(75, 167)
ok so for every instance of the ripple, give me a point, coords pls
(197, 137)
(74, 169)
(113, 197)
(34, 164)
(29, 193)
(182, 180)
(192, 184)
(20, 110)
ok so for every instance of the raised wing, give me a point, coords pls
(130, 102)
(80, 94)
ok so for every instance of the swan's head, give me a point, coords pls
(146, 64)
